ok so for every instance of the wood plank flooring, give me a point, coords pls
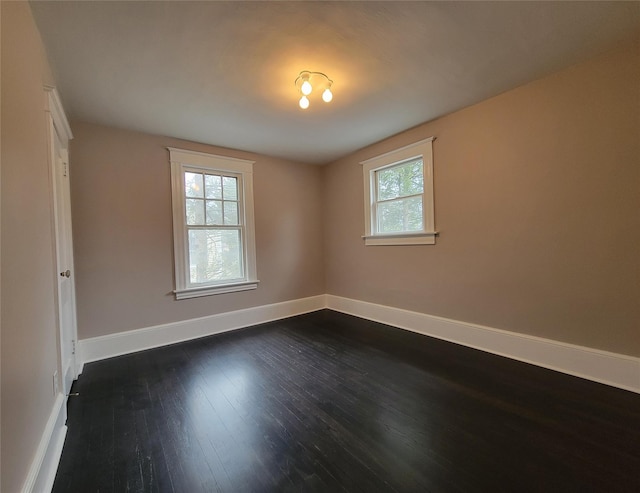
(330, 402)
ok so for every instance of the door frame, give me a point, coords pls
(58, 129)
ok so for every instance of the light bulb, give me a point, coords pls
(327, 95)
(306, 88)
(304, 102)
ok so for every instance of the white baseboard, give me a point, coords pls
(97, 348)
(600, 366)
(43, 468)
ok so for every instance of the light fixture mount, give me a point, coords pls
(307, 81)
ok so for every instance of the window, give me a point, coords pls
(213, 229)
(398, 194)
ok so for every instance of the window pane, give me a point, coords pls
(214, 255)
(193, 184)
(400, 181)
(214, 212)
(195, 211)
(388, 187)
(230, 187)
(389, 217)
(400, 215)
(231, 213)
(413, 214)
(213, 186)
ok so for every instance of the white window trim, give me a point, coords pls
(182, 160)
(427, 236)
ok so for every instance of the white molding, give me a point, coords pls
(210, 161)
(79, 360)
(54, 106)
(44, 466)
(605, 367)
(185, 294)
(97, 348)
(402, 239)
(613, 369)
(405, 151)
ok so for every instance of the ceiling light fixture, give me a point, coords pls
(307, 81)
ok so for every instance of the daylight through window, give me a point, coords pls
(399, 196)
(213, 224)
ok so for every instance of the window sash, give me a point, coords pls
(400, 197)
(239, 200)
(222, 227)
(405, 216)
(377, 228)
(241, 250)
(377, 172)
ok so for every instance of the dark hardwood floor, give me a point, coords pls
(330, 402)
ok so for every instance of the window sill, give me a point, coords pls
(401, 239)
(183, 294)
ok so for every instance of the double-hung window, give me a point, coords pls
(398, 194)
(213, 226)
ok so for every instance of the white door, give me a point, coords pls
(64, 252)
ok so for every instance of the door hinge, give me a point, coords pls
(73, 346)
(65, 166)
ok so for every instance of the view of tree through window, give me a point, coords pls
(399, 192)
(214, 229)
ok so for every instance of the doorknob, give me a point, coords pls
(66, 273)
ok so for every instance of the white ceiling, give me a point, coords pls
(223, 73)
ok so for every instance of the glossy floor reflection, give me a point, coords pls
(330, 402)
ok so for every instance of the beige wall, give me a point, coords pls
(29, 355)
(538, 204)
(121, 206)
(537, 200)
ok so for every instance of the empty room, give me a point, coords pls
(320, 246)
